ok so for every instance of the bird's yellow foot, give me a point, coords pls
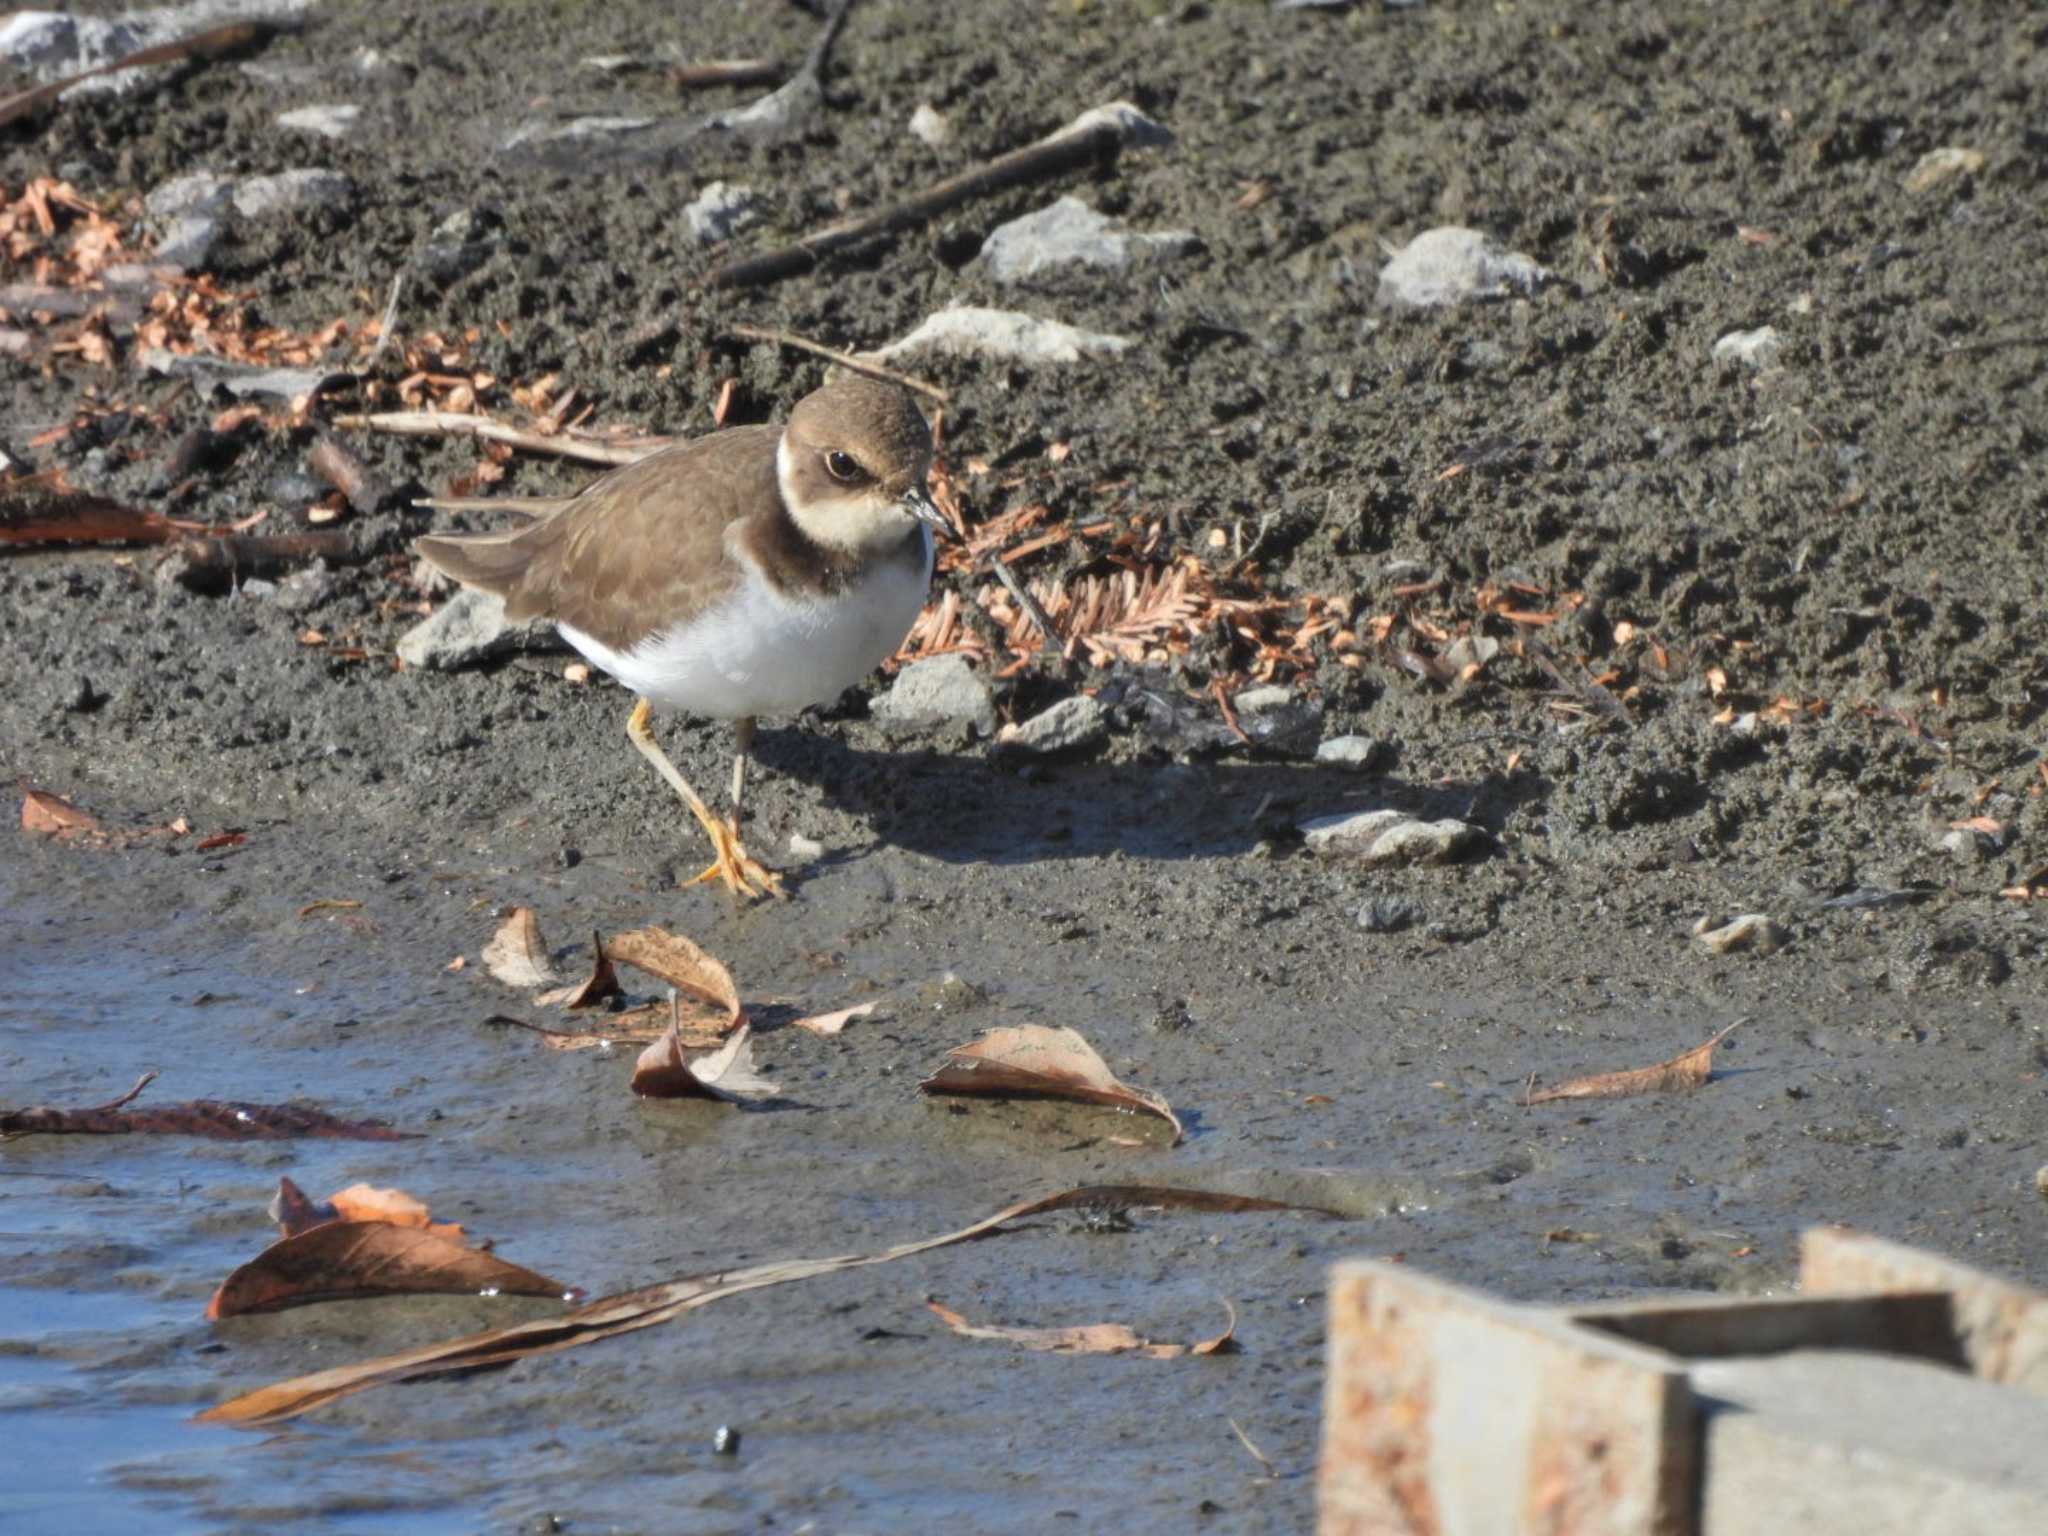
(742, 873)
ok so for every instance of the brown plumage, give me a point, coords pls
(752, 571)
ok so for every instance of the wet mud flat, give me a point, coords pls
(1811, 590)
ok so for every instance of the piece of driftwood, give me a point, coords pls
(1092, 138)
(458, 424)
(854, 361)
(215, 43)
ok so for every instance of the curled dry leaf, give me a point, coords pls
(1090, 1338)
(728, 1073)
(365, 1242)
(602, 983)
(1690, 1070)
(53, 816)
(295, 1211)
(1039, 1061)
(833, 1023)
(706, 996)
(516, 955)
(655, 1304)
(214, 1119)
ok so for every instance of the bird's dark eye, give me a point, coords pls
(842, 466)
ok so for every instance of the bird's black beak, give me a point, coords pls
(925, 512)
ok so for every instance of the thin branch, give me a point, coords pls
(717, 72)
(1097, 135)
(458, 424)
(384, 326)
(216, 42)
(1258, 1455)
(1033, 609)
(851, 360)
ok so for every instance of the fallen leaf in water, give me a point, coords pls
(53, 816)
(516, 956)
(1040, 1061)
(832, 1023)
(230, 839)
(366, 1242)
(295, 1211)
(655, 1304)
(1690, 1070)
(216, 1119)
(706, 996)
(665, 1072)
(600, 984)
(1090, 1338)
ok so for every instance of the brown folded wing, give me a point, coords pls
(636, 549)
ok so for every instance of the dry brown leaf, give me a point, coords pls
(294, 1211)
(516, 956)
(53, 816)
(215, 1119)
(602, 983)
(1690, 1070)
(345, 1260)
(1038, 1060)
(728, 1073)
(707, 997)
(833, 1023)
(1090, 1338)
(656, 1304)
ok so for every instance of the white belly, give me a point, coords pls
(765, 652)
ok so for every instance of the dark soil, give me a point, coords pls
(1840, 557)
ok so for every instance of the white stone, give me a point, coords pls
(1454, 265)
(1752, 930)
(201, 192)
(468, 628)
(291, 192)
(1939, 165)
(1072, 725)
(938, 692)
(1757, 349)
(1255, 701)
(1389, 837)
(720, 212)
(1069, 233)
(336, 122)
(970, 331)
(928, 126)
(187, 242)
(1349, 752)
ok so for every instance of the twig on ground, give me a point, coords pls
(457, 424)
(1033, 609)
(1585, 690)
(851, 360)
(362, 369)
(1094, 136)
(251, 554)
(215, 43)
(336, 463)
(717, 72)
(1258, 1455)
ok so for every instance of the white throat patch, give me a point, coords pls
(859, 524)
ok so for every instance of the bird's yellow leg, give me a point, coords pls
(742, 874)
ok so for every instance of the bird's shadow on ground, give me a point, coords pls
(970, 807)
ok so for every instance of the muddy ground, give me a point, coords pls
(1839, 555)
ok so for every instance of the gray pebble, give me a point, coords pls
(936, 692)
